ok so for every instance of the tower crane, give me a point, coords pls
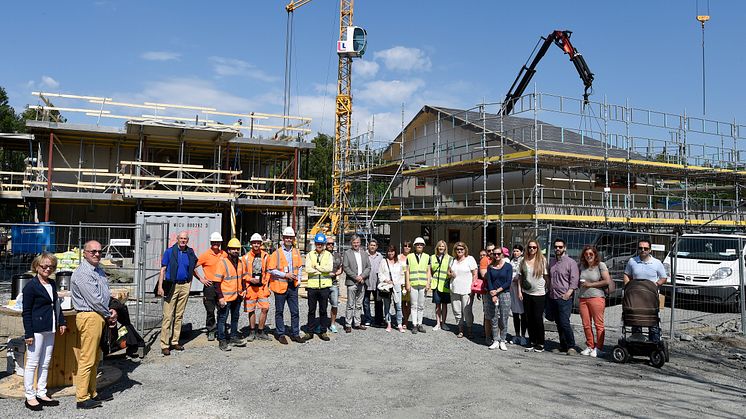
(351, 43)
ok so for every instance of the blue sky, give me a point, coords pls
(230, 54)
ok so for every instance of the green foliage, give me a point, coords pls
(320, 169)
(9, 121)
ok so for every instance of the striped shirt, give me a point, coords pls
(89, 289)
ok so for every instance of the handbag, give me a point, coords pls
(525, 284)
(477, 286)
(385, 288)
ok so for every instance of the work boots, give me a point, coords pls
(223, 345)
(252, 335)
(237, 342)
(263, 336)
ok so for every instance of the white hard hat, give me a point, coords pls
(216, 237)
(288, 232)
(256, 237)
(419, 240)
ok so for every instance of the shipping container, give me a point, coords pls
(160, 230)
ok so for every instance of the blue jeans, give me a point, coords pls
(234, 308)
(394, 296)
(291, 296)
(368, 317)
(560, 309)
(654, 332)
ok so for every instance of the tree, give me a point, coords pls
(320, 169)
(9, 121)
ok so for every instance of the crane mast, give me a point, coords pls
(343, 125)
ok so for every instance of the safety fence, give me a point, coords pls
(704, 292)
(130, 258)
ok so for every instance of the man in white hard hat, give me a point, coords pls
(209, 262)
(284, 266)
(257, 287)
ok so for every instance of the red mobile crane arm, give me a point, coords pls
(562, 40)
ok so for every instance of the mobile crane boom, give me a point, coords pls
(562, 40)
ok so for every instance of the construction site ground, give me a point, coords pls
(373, 373)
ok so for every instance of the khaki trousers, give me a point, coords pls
(174, 305)
(90, 325)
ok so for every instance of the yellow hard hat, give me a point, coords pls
(234, 243)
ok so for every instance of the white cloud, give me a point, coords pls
(365, 68)
(160, 56)
(47, 81)
(191, 92)
(392, 92)
(234, 67)
(404, 59)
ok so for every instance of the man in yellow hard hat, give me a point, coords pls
(230, 289)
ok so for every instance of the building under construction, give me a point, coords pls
(162, 157)
(475, 175)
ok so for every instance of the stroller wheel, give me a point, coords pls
(657, 358)
(620, 355)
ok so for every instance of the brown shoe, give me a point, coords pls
(165, 352)
(348, 329)
(283, 340)
(359, 327)
(177, 347)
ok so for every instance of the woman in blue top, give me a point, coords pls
(499, 278)
(42, 317)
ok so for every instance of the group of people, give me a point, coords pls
(43, 318)
(527, 285)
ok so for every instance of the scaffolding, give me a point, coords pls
(164, 157)
(558, 160)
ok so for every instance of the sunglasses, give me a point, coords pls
(45, 267)
(533, 247)
(460, 249)
(559, 247)
(643, 248)
(94, 252)
(497, 254)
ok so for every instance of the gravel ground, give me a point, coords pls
(373, 373)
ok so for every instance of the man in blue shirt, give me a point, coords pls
(644, 267)
(177, 268)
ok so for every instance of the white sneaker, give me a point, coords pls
(494, 345)
(594, 353)
(587, 351)
(436, 327)
(503, 346)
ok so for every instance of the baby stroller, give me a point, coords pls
(640, 310)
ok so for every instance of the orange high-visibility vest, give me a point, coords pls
(249, 263)
(277, 261)
(230, 278)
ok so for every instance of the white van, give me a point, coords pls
(707, 268)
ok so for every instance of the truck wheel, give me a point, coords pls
(620, 355)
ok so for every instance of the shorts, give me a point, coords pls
(334, 296)
(257, 297)
(441, 297)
